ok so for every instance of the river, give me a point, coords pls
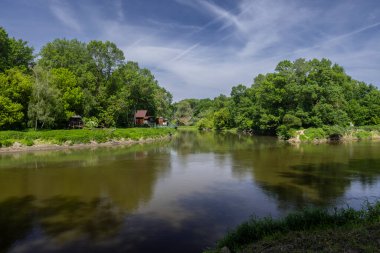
(172, 196)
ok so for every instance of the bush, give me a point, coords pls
(363, 135)
(311, 134)
(204, 123)
(284, 133)
(291, 121)
(91, 122)
(334, 132)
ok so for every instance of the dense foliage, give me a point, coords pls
(74, 78)
(299, 94)
(94, 80)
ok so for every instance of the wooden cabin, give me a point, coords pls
(143, 119)
(140, 116)
(76, 122)
(160, 121)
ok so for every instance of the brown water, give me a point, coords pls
(173, 196)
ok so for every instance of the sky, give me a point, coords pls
(202, 48)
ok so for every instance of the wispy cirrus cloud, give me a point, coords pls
(65, 15)
(202, 48)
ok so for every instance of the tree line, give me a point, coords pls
(70, 77)
(298, 94)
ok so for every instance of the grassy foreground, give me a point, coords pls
(79, 136)
(310, 230)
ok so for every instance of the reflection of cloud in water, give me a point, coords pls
(171, 197)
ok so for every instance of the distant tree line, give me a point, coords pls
(299, 94)
(69, 78)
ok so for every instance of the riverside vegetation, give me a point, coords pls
(93, 80)
(80, 136)
(73, 78)
(309, 230)
(315, 95)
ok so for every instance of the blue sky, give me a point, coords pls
(201, 48)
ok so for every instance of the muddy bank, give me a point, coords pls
(18, 147)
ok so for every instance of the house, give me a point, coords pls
(140, 117)
(76, 122)
(143, 119)
(161, 121)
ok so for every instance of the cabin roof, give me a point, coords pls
(141, 114)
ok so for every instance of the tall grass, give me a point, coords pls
(307, 219)
(76, 136)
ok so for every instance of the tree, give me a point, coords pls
(10, 113)
(72, 96)
(183, 113)
(45, 106)
(15, 90)
(14, 53)
(107, 57)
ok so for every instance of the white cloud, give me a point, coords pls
(65, 14)
(248, 40)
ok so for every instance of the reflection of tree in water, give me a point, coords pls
(125, 176)
(189, 142)
(16, 220)
(309, 174)
(64, 219)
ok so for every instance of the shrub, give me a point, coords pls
(291, 121)
(311, 134)
(91, 122)
(284, 133)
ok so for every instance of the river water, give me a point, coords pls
(172, 196)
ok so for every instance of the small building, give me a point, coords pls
(76, 122)
(160, 121)
(140, 117)
(143, 119)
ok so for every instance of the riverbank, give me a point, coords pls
(15, 141)
(332, 134)
(311, 230)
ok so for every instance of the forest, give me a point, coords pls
(69, 77)
(297, 95)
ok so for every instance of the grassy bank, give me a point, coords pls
(79, 136)
(188, 128)
(328, 133)
(310, 230)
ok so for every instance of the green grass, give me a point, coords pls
(306, 222)
(312, 134)
(188, 128)
(77, 136)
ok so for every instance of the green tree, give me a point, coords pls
(45, 106)
(183, 113)
(15, 90)
(14, 53)
(107, 57)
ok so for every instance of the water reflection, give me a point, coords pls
(174, 196)
(127, 176)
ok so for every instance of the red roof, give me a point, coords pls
(140, 114)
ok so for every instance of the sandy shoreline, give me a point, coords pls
(17, 147)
